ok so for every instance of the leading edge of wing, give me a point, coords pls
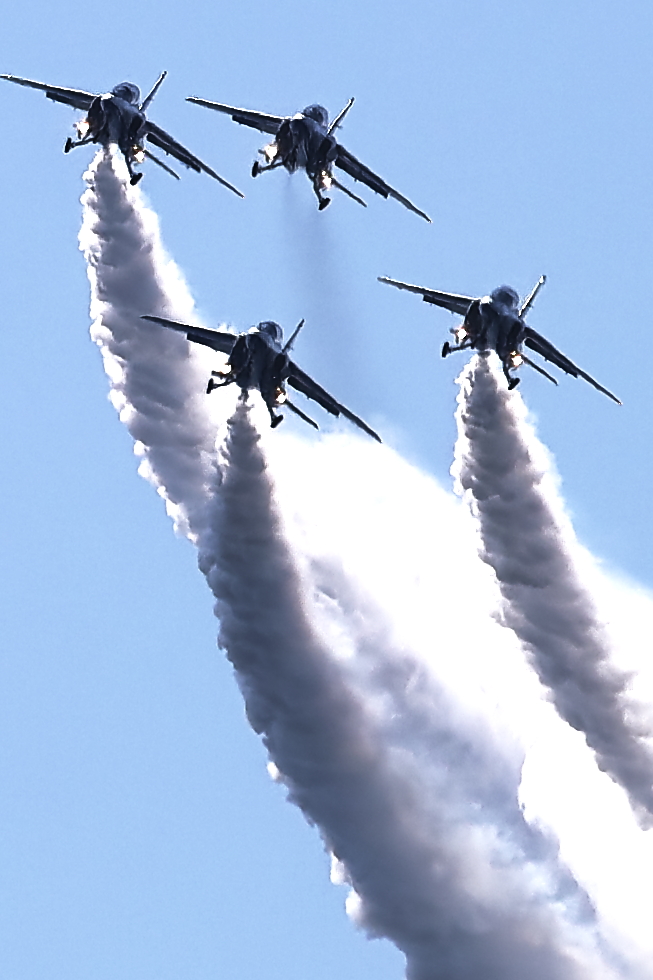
(535, 341)
(169, 145)
(311, 389)
(262, 121)
(216, 339)
(448, 301)
(358, 171)
(69, 96)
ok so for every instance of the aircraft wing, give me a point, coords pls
(246, 117)
(216, 339)
(347, 162)
(543, 347)
(448, 301)
(169, 145)
(69, 96)
(301, 381)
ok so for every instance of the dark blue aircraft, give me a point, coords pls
(119, 117)
(305, 141)
(496, 322)
(259, 359)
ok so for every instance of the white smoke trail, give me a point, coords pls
(505, 474)
(395, 530)
(157, 382)
(464, 896)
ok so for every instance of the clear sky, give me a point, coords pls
(140, 836)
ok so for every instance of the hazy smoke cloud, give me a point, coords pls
(502, 469)
(459, 898)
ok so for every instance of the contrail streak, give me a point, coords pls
(501, 469)
(441, 864)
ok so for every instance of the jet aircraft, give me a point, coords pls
(306, 141)
(258, 358)
(496, 322)
(119, 117)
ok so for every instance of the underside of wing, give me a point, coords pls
(448, 301)
(358, 171)
(69, 96)
(169, 145)
(301, 382)
(536, 342)
(219, 340)
(246, 117)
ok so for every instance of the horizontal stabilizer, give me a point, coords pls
(536, 367)
(298, 411)
(345, 190)
(160, 163)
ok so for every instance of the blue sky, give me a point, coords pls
(141, 836)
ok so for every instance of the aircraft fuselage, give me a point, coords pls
(494, 323)
(257, 360)
(114, 120)
(303, 142)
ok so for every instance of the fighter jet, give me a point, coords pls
(306, 141)
(496, 322)
(259, 359)
(119, 117)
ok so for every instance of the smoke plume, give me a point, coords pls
(503, 471)
(417, 804)
(157, 382)
(460, 898)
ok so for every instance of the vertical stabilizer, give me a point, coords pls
(530, 299)
(157, 85)
(293, 338)
(338, 120)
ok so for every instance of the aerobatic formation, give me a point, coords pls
(407, 799)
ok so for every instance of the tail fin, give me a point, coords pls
(157, 85)
(530, 299)
(338, 120)
(293, 338)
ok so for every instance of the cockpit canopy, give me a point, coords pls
(128, 92)
(272, 329)
(318, 113)
(506, 296)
